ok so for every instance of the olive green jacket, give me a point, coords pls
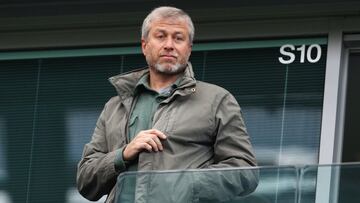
(202, 122)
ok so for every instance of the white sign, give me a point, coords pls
(289, 51)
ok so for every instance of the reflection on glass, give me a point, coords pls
(80, 124)
(226, 185)
(312, 183)
(4, 196)
(3, 173)
(299, 147)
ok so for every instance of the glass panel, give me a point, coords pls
(231, 186)
(330, 183)
(3, 172)
(4, 196)
(18, 88)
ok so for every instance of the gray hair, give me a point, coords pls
(166, 12)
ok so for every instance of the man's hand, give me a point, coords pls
(146, 140)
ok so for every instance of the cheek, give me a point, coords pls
(152, 50)
(186, 53)
(149, 55)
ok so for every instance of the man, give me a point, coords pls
(162, 118)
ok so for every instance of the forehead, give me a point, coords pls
(169, 25)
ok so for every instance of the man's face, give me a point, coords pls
(167, 48)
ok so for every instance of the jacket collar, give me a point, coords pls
(125, 83)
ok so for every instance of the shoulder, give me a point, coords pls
(112, 103)
(113, 100)
(211, 89)
(216, 91)
(213, 93)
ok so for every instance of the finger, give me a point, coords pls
(146, 146)
(152, 143)
(158, 133)
(158, 143)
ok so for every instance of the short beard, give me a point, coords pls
(174, 69)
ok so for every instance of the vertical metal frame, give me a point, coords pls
(330, 117)
(331, 93)
(333, 118)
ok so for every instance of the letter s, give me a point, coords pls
(287, 53)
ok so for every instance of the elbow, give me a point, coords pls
(86, 186)
(88, 191)
(250, 181)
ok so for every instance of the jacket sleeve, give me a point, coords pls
(96, 172)
(232, 146)
(232, 149)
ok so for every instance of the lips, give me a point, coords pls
(168, 56)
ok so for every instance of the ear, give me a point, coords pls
(190, 49)
(143, 46)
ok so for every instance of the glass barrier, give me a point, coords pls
(330, 183)
(250, 185)
(285, 184)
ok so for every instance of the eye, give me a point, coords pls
(179, 38)
(159, 36)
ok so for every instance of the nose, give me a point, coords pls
(169, 44)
